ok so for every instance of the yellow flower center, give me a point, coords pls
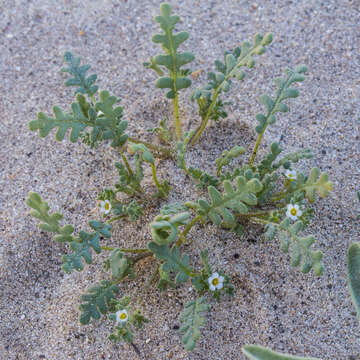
(293, 211)
(107, 206)
(123, 316)
(215, 281)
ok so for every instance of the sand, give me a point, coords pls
(274, 304)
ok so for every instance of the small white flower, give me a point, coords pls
(105, 206)
(122, 316)
(290, 174)
(215, 282)
(293, 211)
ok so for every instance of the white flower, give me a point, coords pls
(105, 206)
(122, 316)
(215, 282)
(290, 174)
(293, 211)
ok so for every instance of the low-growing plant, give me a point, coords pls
(269, 192)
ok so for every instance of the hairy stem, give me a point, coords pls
(182, 236)
(126, 163)
(177, 117)
(156, 181)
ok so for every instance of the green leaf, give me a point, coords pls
(110, 123)
(85, 84)
(231, 68)
(316, 182)
(76, 121)
(254, 352)
(147, 156)
(227, 156)
(164, 228)
(120, 265)
(50, 222)
(174, 261)
(353, 274)
(218, 210)
(301, 254)
(81, 248)
(97, 301)
(172, 60)
(283, 92)
(193, 319)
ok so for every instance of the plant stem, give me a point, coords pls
(165, 151)
(156, 181)
(205, 121)
(188, 227)
(279, 196)
(258, 213)
(177, 117)
(133, 251)
(126, 163)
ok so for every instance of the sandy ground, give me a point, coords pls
(274, 304)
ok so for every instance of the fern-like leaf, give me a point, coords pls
(220, 80)
(227, 156)
(76, 121)
(172, 60)
(284, 91)
(85, 84)
(218, 210)
(254, 352)
(174, 261)
(316, 182)
(110, 122)
(193, 319)
(301, 254)
(97, 301)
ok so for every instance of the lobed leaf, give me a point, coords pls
(97, 301)
(317, 182)
(283, 92)
(301, 254)
(172, 60)
(85, 84)
(218, 209)
(254, 352)
(227, 156)
(193, 319)
(76, 121)
(174, 261)
(221, 79)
